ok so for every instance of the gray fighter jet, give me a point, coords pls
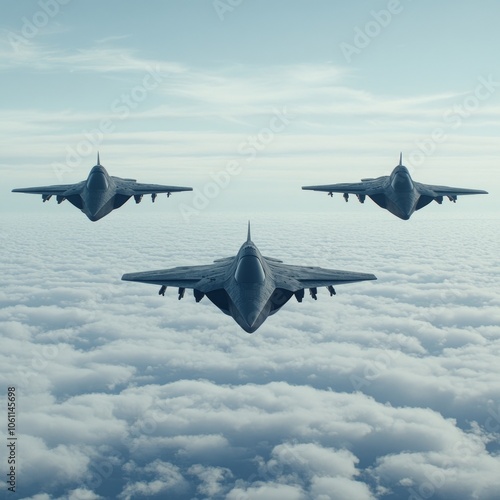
(101, 193)
(398, 193)
(249, 287)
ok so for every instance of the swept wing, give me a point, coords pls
(130, 188)
(449, 191)
(204, 278)
(366, 187)
(294, 278)
(61, 189)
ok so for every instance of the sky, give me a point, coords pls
(288, 93)
(389, 389)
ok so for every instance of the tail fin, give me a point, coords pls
(400, 160)
(98, 161)
(249, 238)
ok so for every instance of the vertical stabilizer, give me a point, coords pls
(400, 160)
(98, 161)
(249, 238)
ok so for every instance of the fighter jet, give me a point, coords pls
(398, 193)
(249, 287)
(101, 193)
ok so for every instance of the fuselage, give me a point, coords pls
(250, 289)
(401, 194)
(98, 194)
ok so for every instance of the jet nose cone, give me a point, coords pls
(249, 321)
(405, 209)
(249, 329)
(95, 209)
(93, 215)
(249, 317)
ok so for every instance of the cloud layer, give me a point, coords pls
(388, 390)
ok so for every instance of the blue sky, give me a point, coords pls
(455, 39)
(220, 73)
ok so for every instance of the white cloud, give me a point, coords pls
(212, 479)
(270, 491)
(83, 494)
(338, 488)
(49, 468)
(449, 474)
(313, 459)
(367, 392)
(166, 479)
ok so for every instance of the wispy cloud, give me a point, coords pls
(99, 58)
(204, 115)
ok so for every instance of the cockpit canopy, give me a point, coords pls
(401, 180)
(249, 270)
(97, 181)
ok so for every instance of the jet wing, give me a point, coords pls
(450, 191)
(294, 278)
(129, 188)
(61, 189)
(366, 187)
(204, 278)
